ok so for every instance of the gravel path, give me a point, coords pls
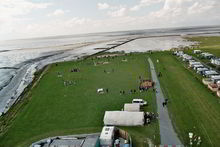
(167, 133)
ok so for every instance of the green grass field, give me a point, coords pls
(192, 107)
(54, 109)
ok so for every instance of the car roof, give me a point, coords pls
(137, 100)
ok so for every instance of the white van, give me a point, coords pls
(139, 101)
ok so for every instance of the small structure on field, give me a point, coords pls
(213, 87)
(197, 51)
(124, 118)
(107, 136)
(198, 66)
(207, 55)
(146, 84)
(215, 61)
(100, 90)
(215, 78)
(192, 64)
(201, 70)
(132, 107)
(210, 73)
(186, 57)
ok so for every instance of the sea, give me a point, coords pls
(20, 59)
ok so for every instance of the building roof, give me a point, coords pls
(66, 143)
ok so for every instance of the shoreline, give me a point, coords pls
(6, 119)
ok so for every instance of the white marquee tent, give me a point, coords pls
(124, 118)
(132, 107)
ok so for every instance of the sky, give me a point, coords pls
(39, 18)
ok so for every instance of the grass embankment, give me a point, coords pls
(206, 44)
(192, 106)
(54, 109)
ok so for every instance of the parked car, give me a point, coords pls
(139, 101)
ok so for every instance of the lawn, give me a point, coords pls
(54, 109)
(192, 107)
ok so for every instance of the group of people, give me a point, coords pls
(75, 70)
(149, 116)
(132, 91)
(165, 102)
(122, 92)
(159, 74)
(68, 83)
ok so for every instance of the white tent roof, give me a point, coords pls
(124, 118)
(132, 107)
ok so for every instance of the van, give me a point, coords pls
(139, 101)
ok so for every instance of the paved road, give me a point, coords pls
(167, 133)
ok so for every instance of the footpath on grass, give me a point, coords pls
(167, 133)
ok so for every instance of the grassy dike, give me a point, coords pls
(52, 109)
(192, 107)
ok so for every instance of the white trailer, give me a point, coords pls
(215, 78)
(107, 136)
(210, 73)
(197, 51)
(191, 64)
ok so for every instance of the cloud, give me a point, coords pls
(187, 12)
(13, 12)
(10, 8)
(122, 11)
(57, 12)
(144, 3)
(103, 6)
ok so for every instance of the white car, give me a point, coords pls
(139, 101)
